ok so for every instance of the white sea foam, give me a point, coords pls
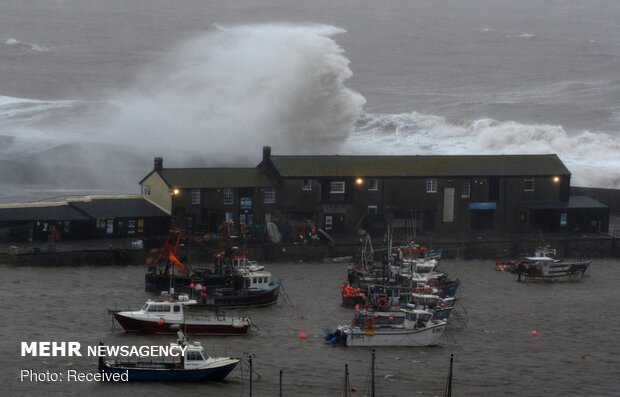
(526, 36)
(12, 42)
(593, 158)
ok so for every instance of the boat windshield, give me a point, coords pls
(424, 316)
(194, 356)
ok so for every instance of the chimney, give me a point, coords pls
(266, 153)
(159, 163)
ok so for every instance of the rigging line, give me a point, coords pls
(285, 294)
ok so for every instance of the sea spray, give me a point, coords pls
(237, 88)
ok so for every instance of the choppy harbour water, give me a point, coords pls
(573, 354)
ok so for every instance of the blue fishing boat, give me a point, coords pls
(189, 363)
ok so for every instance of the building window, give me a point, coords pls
(336, 187)
(131, 226)
(431, 185)
(245, 204)
(229, 216)
(372, 210)
(328, 222)
(146, 189)
(195, 196)
(306, 184)
(373, 184)
(269, 194)
(267, 218)
(528, 184)
(228, 196)
(465, 189)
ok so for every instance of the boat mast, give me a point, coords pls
(347, 386)
(250, 361)
(372, 374)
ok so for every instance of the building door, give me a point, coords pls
(213, 221)
(246, 216)
(110, 227)
(448, 204)
(482, 219)
(334, 223)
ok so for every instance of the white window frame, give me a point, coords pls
(372, 210)
(195, 194)
(465, 189)
(306, 184)
(337, 187)
(373, 185)
(269, 195)
(146, 189)
(431, 185)
(228, 196)
(528, 184)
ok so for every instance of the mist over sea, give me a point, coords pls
(92, 90)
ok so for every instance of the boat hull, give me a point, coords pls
(428, 336)
(159, 372)
(155, 326)
(551, 278)
(249, 299)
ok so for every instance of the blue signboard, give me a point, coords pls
(482, 206)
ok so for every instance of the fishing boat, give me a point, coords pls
(397, 275)
(232, 280)
(548, 270)
(548, 257)
(417, 329)
(158, 317)
(189, 363)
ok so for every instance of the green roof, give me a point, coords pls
(418, 166)
(214, 177)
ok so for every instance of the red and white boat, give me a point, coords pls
(158, 316)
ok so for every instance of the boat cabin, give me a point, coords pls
(195, 356)
(416, 318)
(256, 281)
(537, 264)
(547, 252)
(173, 306)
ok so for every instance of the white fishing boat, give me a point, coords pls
(417, 329)
(543, 269)
(158, 317)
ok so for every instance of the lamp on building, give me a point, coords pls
(359, 181)
(174, 192)
(556, 179)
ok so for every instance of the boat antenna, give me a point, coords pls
(448, 391)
